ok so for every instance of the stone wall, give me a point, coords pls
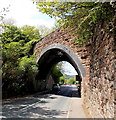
(49, 82)
(58, 36)
(99, 98)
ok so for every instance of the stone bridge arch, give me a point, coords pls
(53, 54)
(57, 46)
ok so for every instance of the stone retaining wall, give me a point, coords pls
(100, 91)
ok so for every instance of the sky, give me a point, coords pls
(68, 69)
(24, 12)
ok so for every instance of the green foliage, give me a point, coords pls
(19, 66)
(28, 64)
(62, 80)
(71, 81)
(81, 16)
(56, 74)
(31, 32)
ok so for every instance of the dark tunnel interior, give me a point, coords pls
(52, 57)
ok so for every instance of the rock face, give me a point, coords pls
(99, 61)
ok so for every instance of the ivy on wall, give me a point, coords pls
(82, 17)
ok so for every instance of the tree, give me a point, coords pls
(82, 17)
(62, 80)
(56, 74)
(44, 30)
(18, 62)
(31, 31)
(71, 81)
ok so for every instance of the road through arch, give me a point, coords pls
(53, 54)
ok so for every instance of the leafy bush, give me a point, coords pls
(62, 80)
(71, 81)
(56, 74)
(19, 66)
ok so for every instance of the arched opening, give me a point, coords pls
(65, 73)
(65, 80)
(52, 55)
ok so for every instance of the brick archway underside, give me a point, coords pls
(55, 53)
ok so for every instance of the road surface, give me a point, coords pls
(64, 104)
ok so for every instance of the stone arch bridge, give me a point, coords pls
(90, 61)
(56, 47)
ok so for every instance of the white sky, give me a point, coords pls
(68, 69)
(24, 12)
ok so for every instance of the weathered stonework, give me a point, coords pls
(99, 60)
(100, 96)
(61, 37)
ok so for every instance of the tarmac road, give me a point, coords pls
(63, 104)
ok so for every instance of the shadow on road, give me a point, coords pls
(29, 107)
(73, 93)
(38, 105)
(67, 91)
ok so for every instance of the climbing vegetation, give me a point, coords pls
(81, 17)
